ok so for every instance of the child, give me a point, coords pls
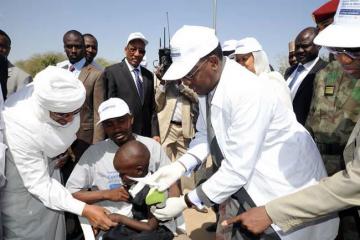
(132, 160)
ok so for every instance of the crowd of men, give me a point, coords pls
(82, 144)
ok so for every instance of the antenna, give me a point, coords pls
(168, 26)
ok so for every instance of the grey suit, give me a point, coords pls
(332, 194)
(17, 79)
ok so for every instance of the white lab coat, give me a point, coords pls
(265, 149)
(33, 199)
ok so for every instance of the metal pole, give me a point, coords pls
(214, 15)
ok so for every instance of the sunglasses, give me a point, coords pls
(132, 50)
(353, 53)
(66, 115)
(195, 70)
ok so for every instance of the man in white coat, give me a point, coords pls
(261, 150)
(41, 122)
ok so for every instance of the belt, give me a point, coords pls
(330, 148)
(176, 123)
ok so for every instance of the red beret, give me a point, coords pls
(326, 11)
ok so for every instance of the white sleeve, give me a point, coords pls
(82, 175)
(199, 147)
(33, 169)
(249, 117)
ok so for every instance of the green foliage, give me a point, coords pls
(38, 62)
(103, 62)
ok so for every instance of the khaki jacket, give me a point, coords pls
(165, 106)
(331, 194)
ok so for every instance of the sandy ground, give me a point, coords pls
(196, 223)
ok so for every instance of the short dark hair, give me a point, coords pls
(5, 35)
(75, 32)
(88, 35)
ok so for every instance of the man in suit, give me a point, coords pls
(135, 85)
(89, 132)
(91, 49)
(17, 78)
(302, 75)
(340, 191)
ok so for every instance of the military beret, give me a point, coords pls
(326, 11)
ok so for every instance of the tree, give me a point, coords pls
(38, 62)
(103, 62)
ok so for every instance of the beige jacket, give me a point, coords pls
(165, 105)
(332, 194)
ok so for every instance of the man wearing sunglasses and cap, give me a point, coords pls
(134, 84)
(261, 151)
(341, 190)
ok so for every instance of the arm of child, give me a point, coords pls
(174, 190)
(150, 225)
(90, 197)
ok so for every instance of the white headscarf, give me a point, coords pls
(27, 113)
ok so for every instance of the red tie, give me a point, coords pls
(71, 68)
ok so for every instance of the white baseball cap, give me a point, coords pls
(344, 31)
(247, 45)
(112, 108)
(229, 45)
(188, 45)
(137, 35)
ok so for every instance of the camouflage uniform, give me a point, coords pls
(334, 111)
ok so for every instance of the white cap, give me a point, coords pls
(247, 45)
(344, 31)
(188, 45)
(229, 45)
(137, 35)
(112, 108)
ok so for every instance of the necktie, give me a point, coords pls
(299, 69)
(71, 68)
(139, 84)
(215, 151)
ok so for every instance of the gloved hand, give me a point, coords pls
(165, 176)
(174, 206)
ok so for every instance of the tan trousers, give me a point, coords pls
(175, 145)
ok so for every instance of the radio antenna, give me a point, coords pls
(168, 26)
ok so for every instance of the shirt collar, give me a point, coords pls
(131, 68)
(309, 65)
(79, 65)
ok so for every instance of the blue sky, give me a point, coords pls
(37, 26)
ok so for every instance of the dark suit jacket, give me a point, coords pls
(120, 83)
(303, 97)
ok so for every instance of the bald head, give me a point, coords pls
(132, 159)
(305, 49)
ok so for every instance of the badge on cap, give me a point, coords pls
(329, 90)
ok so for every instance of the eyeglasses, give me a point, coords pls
(65, 115)
(194, 71)
(353, 53)
(132, 50)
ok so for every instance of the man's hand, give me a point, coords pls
(256, 220)
(97, 216)
(61, 159)
(165, 176)
(117, 195)
(174, 206)
(156, 138)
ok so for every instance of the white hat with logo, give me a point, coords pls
(247, 45)
(345, 30)
(137, 35)
(112, 108)
(188, 45)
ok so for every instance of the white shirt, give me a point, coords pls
(95, 169)
(265, 149)
(78, 66)
(307, 68)
(131, 69)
